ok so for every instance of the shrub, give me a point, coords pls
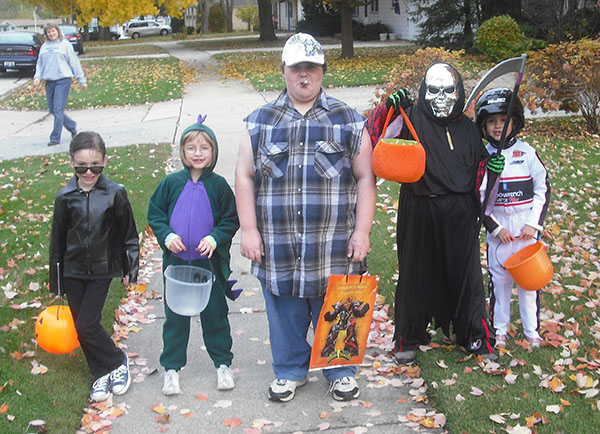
(368, 32)
(566, 76)
(500, 38)
(177, 24)
(319, 20)
(216, 20)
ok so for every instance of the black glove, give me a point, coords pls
(400, 98)
(496, 163)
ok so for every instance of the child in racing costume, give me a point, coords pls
(518, 211)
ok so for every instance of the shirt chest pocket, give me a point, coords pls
(274, 159)
(330, 159)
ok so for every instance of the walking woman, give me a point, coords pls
(57, 64)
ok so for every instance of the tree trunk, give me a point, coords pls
(265, 21)
(205, 12)
(227, 8)
(346, 22)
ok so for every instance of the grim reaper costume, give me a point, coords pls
(437, 222)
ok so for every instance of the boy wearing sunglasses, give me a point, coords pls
(93, 240)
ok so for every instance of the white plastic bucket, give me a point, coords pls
(187, 289)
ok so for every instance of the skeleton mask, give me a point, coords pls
(442, 89)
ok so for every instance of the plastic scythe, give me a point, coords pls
(507, 66)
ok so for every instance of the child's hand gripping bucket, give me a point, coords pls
(530, 267)
(399, 160)
(187, 288)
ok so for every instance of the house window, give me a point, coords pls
(375, 6)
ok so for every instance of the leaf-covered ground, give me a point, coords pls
(547, 390)
(46, 389)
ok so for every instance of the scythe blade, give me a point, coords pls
(505, 67)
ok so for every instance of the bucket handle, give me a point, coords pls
(212, 271)
(408, 124)
(499, 244)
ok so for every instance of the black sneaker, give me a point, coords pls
(404, 354)
(73, 133)
(482, 348)
(53, 143)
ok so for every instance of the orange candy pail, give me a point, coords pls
(530, 267)
(396, 159)
(55, 331)
(399, 160)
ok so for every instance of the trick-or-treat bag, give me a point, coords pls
(344, 321)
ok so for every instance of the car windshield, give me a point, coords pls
(16, 38)
(68, 29)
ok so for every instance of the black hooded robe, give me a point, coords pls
(437, 223)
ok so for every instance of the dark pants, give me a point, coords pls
(86, 299)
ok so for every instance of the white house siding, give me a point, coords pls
(399, 24)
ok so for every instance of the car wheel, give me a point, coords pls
(135, 35)
(114, 37)
(2, 70)
(163, 32)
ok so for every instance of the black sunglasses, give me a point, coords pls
(82, 169)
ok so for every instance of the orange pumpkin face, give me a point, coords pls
(55, 331)
(398, 160)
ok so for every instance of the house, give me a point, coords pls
(395, 14)
(6, 26)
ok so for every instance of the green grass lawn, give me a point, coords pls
(121, 50)
(556, 387)
(262, 69)
(26, 197)
(111, 82)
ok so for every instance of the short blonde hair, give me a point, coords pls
(53, 26)
(191, 135)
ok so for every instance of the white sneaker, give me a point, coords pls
(344, 389)
(284, 390)
(171, 384)
(101, 388)
(225, 378)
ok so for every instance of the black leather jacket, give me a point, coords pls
(93, 234)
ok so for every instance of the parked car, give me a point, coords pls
(71, 34)
(135, 29)
(94, 33)
(19, 50)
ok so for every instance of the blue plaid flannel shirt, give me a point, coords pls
(305, 192)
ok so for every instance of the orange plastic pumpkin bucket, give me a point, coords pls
(55, 331)
(530, 267)
(399, 160)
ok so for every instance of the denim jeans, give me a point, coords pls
(289, 319)
(86, 300)
(57, 94)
